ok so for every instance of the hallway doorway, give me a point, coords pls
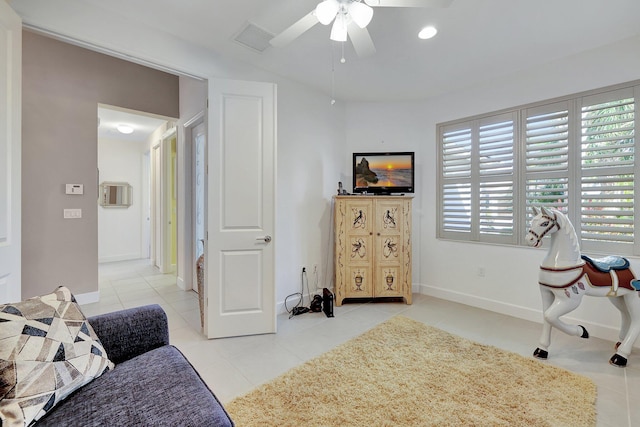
(129, 157)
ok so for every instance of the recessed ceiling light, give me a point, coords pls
(126, 129)
(427, 32)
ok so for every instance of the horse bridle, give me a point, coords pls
(553, 222)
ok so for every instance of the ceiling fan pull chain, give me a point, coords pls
(333, 77)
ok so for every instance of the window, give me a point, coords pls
(576, 154)
(477, 179)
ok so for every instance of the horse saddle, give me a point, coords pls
(608, 263)
(601, 272)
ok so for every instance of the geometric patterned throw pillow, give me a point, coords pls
(47, 350)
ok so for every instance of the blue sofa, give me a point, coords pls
(152, 384)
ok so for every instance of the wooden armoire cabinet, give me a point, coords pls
(372, 247)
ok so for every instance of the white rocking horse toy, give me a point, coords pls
(565, 277)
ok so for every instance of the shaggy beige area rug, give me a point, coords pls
(404, 373)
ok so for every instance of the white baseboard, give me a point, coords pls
(88, 298)
(484, 303)
(595, 329)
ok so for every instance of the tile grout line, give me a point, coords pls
(626, 386)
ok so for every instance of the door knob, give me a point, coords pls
(266, 239)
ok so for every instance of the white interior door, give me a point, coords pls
(240, 255)
(10, 152)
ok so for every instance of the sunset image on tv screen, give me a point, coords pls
(383, 171)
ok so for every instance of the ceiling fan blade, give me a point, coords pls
(361, 40)
(294, 31)
(409, 3)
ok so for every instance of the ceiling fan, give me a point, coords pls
(350, 19)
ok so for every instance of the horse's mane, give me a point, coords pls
(566, 227)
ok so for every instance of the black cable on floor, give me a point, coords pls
(299, 307)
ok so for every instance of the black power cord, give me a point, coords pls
(298, 308)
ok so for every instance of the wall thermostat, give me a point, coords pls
(75, 189)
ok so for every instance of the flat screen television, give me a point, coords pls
(383, 173)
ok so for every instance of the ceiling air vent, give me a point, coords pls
(254, 37)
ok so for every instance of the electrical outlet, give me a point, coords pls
(304, 269)
(481, 272)
(315, 268)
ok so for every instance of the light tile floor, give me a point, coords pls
(233, 366)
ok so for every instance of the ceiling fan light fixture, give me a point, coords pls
(326, 11)
(339, 29)
(427, 32)
(360, 13)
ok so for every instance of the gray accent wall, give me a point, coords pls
(62, 86)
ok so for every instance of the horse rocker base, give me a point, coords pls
(565, 277)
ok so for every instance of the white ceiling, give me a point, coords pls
(143, 125)
(478, 40)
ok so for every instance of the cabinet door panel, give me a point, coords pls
(359, 283)
(387, 281)
(359, 217)
(389, 217)
(389, 249)
(361, 250)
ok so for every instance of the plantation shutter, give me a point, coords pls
(455, 198)
(608, 163)
(495, 178)
(477, 180)
(547, 157)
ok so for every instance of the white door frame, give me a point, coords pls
(156, 205)
(163, 185)
(10, 154)
(168, 189)
(189, 239)
(145, 243)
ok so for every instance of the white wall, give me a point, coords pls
(449, 269)
(311, 135)
(120, 229)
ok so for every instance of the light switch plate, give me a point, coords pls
(72, 213)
